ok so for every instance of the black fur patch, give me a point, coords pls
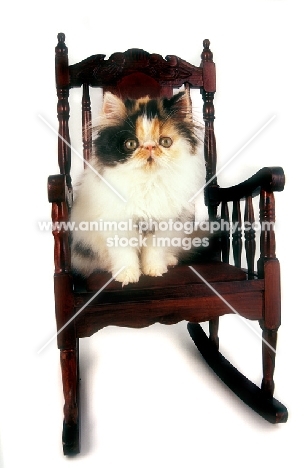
(83, 250)
(109, 144)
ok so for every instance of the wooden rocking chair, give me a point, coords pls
(193, 292)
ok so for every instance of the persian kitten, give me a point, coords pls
(145, 168)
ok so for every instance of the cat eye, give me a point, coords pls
(166, 142)
(131, 144)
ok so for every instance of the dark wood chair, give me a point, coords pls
(198, 292)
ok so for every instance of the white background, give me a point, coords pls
(147, 397)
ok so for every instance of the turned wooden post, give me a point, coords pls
(62, 85)
(86, 123)
(59, 188)
(267, 236)
(60, 194)
(71, 423)
(68, 362)
(59, 214)
(208, 115)
(208, 91)
(268, 269)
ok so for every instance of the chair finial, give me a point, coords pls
(207, 55)
(206, 44)
(61, 48)
(61, 38)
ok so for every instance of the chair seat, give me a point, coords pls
(178, 295)
(180, 275)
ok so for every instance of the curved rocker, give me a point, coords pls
(267, 407)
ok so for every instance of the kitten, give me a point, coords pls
(146, 152)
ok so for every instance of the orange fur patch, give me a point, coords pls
(147, 132)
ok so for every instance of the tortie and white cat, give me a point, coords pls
(146, 152)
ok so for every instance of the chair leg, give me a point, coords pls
(213, 330)
(268, 360)
(271, 322)
(71, 423)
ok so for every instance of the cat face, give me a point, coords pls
(149, 132)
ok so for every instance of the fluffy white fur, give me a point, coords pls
(158, 191)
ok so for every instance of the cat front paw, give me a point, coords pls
(128, 275)
(154, 270)
(171, 259)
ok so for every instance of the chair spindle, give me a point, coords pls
(249, 232)
(225, 233)
(237, 233)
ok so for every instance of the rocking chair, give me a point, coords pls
(197, 292)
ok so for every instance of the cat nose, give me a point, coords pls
(149, 145)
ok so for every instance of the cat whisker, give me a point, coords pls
(199, 138)
(198, 123)
(171, 115)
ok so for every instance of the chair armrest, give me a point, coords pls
(271, 179)
(58, 189)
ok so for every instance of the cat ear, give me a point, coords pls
(183, 104)
(113, 108)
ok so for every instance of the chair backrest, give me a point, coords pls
(134, 73)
